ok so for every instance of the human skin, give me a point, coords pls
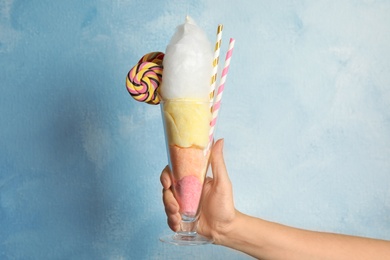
(226, 226)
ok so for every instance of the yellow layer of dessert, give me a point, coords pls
(188, 122)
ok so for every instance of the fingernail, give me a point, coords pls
(222, 144)
(165, 183)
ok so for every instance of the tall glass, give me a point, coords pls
(187, 129)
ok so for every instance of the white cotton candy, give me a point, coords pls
(187, 64)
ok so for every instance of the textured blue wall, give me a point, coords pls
(306, 122)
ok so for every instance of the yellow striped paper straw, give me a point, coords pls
(215, 61)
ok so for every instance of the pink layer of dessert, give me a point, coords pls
(188, 192)
(189, 168)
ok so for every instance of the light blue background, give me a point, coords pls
(306, 122)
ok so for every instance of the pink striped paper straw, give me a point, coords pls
(221, 87)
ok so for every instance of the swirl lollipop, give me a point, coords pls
(144, 79)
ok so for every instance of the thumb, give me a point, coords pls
(218, 166)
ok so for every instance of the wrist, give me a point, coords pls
(246, 234)
(225, 232)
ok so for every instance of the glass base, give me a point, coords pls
(186, 239)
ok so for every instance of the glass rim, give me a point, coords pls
(187, 100)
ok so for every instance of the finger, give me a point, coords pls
(218, 166)
(171, 209)
(174, 222)
(165, 178)
(170, 203)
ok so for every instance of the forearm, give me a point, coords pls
(258, 238)
(267, 240)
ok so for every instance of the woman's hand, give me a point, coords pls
(217, 212)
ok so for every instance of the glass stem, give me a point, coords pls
(188, 227)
